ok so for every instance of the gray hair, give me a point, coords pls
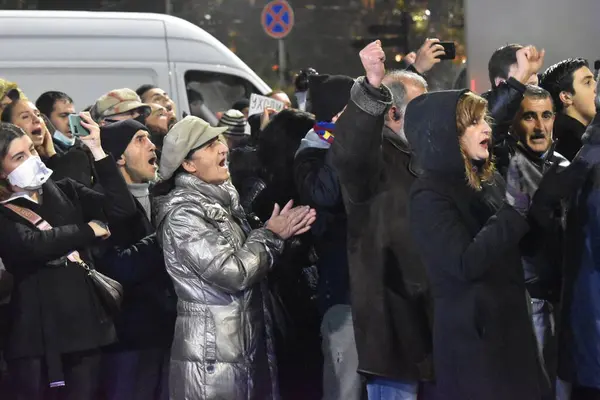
(396, 81)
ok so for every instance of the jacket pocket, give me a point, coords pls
(228, 333)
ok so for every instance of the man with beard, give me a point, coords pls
(534, 154)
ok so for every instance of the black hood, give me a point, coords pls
(430, 127)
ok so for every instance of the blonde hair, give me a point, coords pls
(470, 108)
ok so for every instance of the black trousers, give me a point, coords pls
(583, 393)
(135, 375)
(29, 378)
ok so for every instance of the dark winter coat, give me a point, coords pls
(503, 104)
(148, 312)
(54, 305)
(318, 186)
(75, 162)
(483, 341)
(543, 262)
(579, 329)
(388, 283)
(568, 132)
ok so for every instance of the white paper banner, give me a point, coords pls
(258, 104)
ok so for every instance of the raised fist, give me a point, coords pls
(373, 59)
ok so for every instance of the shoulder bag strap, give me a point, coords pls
(42, 225)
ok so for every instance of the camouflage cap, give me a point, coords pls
(117, 101)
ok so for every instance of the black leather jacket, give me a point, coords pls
(503, 103)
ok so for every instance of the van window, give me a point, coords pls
(216, 91)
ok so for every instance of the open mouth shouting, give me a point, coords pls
(224, 163)
(37, 132)
(485, 143)
(37, 136)
(153, 161)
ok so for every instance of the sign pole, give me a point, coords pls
(277, 20)
(282, 63)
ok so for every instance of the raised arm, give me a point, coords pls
(356, 150)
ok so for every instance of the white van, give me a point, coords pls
(86, 54)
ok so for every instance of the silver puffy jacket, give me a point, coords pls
(222, 348)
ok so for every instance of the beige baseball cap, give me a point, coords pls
(188, 134)
(117, 101)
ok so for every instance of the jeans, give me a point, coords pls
(136, 375)
(384, 389)
(340, 379)
(544, 324)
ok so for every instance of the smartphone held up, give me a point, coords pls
(449, 50)
(76, 128)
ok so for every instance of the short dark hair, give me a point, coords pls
(559, 78)
(8, 133)
(141, 91)
(45, 103)
(501, 60)
(536, 92)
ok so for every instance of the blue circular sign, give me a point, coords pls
(277, 19)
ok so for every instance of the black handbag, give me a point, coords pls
(108, 290)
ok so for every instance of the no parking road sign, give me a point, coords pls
(277, 19)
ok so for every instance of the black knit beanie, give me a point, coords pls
(328, 94)
(116, 137)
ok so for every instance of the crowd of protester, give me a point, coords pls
(371, 240)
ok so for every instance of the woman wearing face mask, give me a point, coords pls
(77, 165)
(469, 239)
(57, 320)
(222, 347)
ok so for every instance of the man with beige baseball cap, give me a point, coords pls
(119, 105)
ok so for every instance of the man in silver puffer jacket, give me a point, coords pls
(222, 348)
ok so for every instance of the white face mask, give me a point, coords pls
(30, 175)
(58, 135)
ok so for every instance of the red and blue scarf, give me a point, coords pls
(325, 131)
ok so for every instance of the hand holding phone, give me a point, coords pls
(449, 51)
(430, 53)
(75, 125)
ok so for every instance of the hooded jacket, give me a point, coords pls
(483, 342)
(222, 347)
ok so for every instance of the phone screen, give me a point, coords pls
(75, 124)
(450, 49)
